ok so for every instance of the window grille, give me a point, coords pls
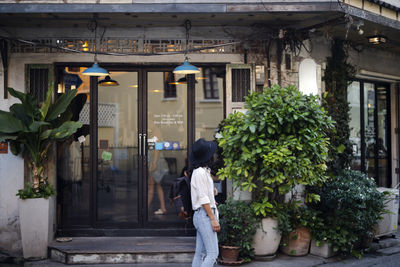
(240, 84)
(39, 83)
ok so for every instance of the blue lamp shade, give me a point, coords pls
(95, 70)
(186, 68)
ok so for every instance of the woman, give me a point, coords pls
(205, 217)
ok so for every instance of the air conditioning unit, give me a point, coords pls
(388, 224)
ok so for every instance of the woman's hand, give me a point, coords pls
(215, 225)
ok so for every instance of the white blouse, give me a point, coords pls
(202, 188)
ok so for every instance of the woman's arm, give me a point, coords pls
(214, 223)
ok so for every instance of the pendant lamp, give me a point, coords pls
(108, 82)
(95, 69)
(186, 67)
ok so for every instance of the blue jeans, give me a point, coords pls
(206, 240)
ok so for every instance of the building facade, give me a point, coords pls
(113, 177)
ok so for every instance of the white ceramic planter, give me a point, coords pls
(266, 240)
(36, 223)
(324, 250)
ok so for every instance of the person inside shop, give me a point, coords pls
(158, 167)
(205, 217)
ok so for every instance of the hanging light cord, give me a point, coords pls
(188, 26)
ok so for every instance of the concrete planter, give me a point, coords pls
(324, 250)
(36, 223)
(267, 239)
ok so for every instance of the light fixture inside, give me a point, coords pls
(182, 80)
(85, 46)
(377, 39)
(107, 81)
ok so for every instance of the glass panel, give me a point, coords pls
(210, 112)
(167, 143)
(353, 97)
(382, 142)
(73, 156)
(117, 185)
(369, 114)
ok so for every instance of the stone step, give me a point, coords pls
(133, 250)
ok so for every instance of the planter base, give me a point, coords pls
(230, 263)
(324, 250)
(265, 258)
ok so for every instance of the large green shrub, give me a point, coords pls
(238, 226)
(350, 206)
(278, 143)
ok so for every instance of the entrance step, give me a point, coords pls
(106, 250)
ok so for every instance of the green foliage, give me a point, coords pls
(31, 129)
(280, 142)
(45, 191)
(350, 206)
(295, 216)
(338, 75)
(238, 226)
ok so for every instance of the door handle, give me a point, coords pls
(140, 145)
(144, 145)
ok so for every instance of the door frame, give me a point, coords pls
(143, 227)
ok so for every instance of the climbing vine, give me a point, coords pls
(337, 77)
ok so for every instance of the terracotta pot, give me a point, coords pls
(298, 242)
(229, 253)
(266, 240)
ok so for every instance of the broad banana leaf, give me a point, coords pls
(35, 126)
(65, 130)
(46, 104)
(60, 105)
(18, 111)
(28, 101)
(9, 123)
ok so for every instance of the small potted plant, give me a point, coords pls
(238, 226)
(296, 229)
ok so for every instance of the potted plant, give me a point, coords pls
(278, 143)
(31, 130)
(350, 207)
(238, 226)
(296, 229)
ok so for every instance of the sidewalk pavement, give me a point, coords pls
(385, 253)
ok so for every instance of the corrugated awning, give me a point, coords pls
(392, 4)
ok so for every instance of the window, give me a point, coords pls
(210, 83)
(169, 85)
(39, 79)
(240, 84)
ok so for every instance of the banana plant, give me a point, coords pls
(31, 129)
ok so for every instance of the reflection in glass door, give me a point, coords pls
(370, 134)
(166, 135)
(118, 172)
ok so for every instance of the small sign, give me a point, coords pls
(167, 145)
(175, 145)
(4, 148)
(151, 145)
(81, 139)
(103, 144)
(106, 155)
(159, 146)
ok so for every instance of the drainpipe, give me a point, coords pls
(4, 58)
